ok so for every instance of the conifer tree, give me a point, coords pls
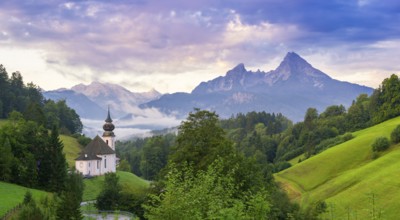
(6, 158)
(59, 163)
(71, 197)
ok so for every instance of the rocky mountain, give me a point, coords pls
(91, 101)
(290, 89)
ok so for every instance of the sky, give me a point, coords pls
(174, 45)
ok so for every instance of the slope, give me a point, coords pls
(71, 149)
(130, 183)
(12, 195)
(348, 179)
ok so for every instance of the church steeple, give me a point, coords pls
(108, 134)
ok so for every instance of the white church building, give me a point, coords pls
(98, 157)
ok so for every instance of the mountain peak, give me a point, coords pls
(295, 66)
(239, 68)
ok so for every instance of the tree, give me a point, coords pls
(109, 197)
(310, 117)
(395, 135)
(6, 158)
(58, 173)
(71, 197)
(29, 210)
(154, 157)
(380, 144)
(124, 166)
(200, 140)
(209, 194)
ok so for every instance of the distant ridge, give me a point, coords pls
(291, 88)
(91, 101)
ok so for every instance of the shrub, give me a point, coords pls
(395, 135)
(380, 144)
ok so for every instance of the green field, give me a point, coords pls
(2, 122)
(347, 178)
(11, 195)
(71, 149)
(129, 181)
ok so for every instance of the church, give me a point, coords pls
(98, 157)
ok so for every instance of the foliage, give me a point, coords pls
(200, 141)
(36, 158)
(380, 144)
(386, 99)
(154, 157)
(28, 99)
(124, 166)
(71, 197)
(30, 211)
(395, 135)
(208, 194)
(110, 194)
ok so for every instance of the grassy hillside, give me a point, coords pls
(11, 195)
(71, 149)
(2, 122)
(129, 181)
(348, 179)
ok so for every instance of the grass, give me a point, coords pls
(347, 178)
(129, 182)
(3, 122)
(11, 195)
(71, 149)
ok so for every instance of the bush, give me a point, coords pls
(395, 135)
(380, 144)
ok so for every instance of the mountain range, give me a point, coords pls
(91, 101)
(290, 89)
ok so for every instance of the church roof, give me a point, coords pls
(96, 147)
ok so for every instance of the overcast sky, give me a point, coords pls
(173, 45)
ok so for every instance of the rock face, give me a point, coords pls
(91, 101)
(290, 89)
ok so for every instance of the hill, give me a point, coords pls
(12, 195)
(129, 181)
(290, 89)
(348, 179)
(72, 149)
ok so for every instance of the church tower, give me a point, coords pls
(108, 134)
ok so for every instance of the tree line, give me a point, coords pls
(27, 99)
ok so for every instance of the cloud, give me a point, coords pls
(173, 45)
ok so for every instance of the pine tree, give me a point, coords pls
(58, 163)
(71, 197)
(6, 158)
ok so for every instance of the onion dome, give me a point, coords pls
(108, 127)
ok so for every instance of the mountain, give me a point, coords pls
(290, 89)
(85, 107)
(91, 101)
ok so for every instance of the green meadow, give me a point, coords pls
(71, 149)
(130, 183)
(353, 184)
(11, 195)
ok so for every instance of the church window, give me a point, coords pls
(105, 163)
(98, 162)
(89, 164)
(107, 141)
